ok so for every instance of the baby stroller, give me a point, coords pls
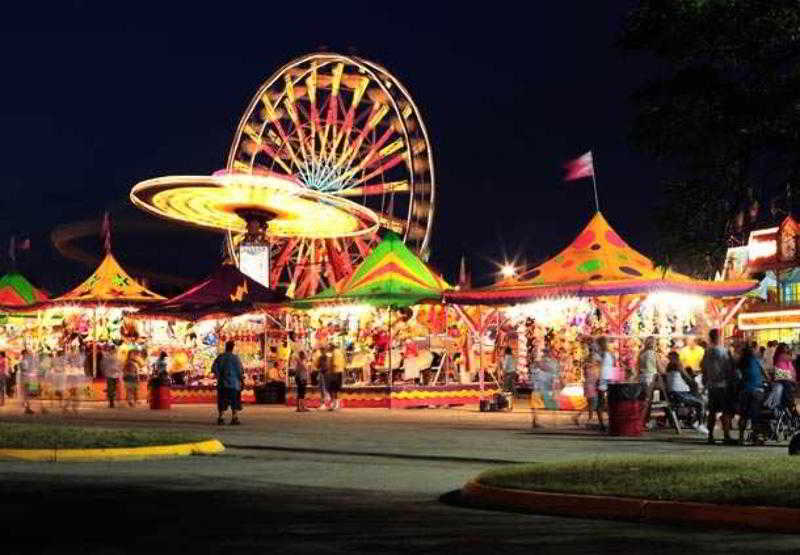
(778, 420)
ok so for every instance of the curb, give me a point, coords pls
(208, 447)
(766, 519)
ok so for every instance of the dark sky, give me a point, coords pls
(95, 100)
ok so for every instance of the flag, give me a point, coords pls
(106, 231)
(579, 167)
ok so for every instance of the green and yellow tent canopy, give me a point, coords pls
(597, 263)
(109, 285)
(391, 275)
(16, 292)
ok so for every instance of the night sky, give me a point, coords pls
(95, 101)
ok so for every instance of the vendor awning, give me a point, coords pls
(109, 285)
(17, 292)
(391, 275)
(597, 263)
(227, 292)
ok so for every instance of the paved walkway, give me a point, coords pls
(359, 481)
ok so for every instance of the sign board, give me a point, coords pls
(254, 262)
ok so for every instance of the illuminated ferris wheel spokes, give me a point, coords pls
(343, 126)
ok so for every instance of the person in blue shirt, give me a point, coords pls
(752, 390)
(227, 368)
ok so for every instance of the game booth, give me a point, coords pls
(403, 348)
(83, 323)
(192, 328)
(18, 329)
(597, 286)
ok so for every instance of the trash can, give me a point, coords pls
(271, 393)
(625, 403)
(160, 395)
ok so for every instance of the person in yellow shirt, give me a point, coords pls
(691, 355)
(335, 378)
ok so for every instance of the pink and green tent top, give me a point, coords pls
(17, 292)
(391, 275)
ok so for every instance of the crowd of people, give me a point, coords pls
(45, 381)
(708, 378)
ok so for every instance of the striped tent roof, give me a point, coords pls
(391, 275)
(16, 291)
(597, 263)
(109, 284)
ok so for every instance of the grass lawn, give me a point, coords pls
(753, 480)
(49, 436)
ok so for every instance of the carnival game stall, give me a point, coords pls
(389, 321)
(597, 286)
(83, 322)
(18, 330)
(192, 329)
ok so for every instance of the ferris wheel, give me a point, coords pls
(345, 128)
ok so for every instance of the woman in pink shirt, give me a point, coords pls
(784, 368)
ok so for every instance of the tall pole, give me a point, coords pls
(390, 379)
(594, 183)
(94, 344)
(480, 352)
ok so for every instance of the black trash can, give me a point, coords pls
(625, 404)
(271, 393)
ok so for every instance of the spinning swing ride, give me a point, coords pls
(330, 149)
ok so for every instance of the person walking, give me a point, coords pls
(227, 368)
(590, 377)
(130, 376)
(59, 378)
(752, 394)
(301, 380)
(718, 379)
(112, 372)
(509, 372)
(319, 362)
(335, 375)
(606, 377)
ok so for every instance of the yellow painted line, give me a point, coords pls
(209, 447)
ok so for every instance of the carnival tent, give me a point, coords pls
(16, 291)
(109, 285)
(226, 292)
(390, 276)
(597, 263)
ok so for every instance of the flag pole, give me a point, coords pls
(594, 183)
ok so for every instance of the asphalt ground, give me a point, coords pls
(359, 481)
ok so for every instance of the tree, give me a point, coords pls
(724, 111)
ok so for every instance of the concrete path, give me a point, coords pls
(358, 481)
